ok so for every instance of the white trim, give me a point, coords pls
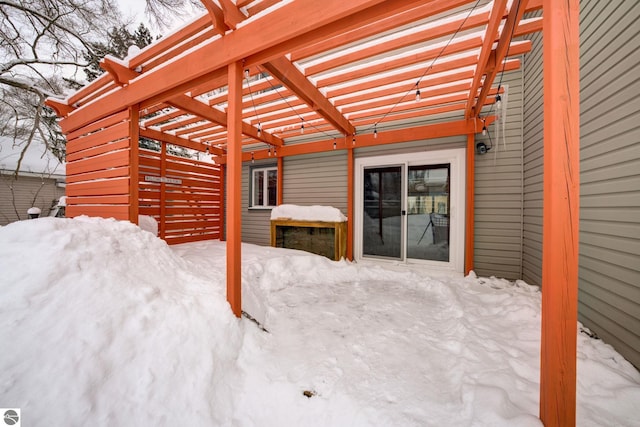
(456, 159)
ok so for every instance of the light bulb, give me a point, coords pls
(375, 132)
(246, 73)
(484, 130)
(418, 95)
(498, 102)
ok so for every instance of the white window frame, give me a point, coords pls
(265, 187)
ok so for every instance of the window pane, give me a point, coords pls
(272, 187)
(382, 222)
(258, 188)
(428, 209)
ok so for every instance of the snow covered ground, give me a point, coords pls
(103, 324)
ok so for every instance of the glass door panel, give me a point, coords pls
(382, 225)
(428, 206)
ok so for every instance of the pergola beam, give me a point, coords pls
(287, 73)
(490, 72)
(497, 12)
(199, 109)
(182, 142)
(272, 36)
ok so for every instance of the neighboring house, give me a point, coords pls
(40, 181)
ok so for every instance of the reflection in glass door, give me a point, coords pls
(409, 207)
(382, 225)
(428, 212)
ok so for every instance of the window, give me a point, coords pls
(264, 187)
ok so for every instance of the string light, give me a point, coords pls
(334, 143)
(252, 159)
(246, 74)
(375, 131)
(353, 141)
(498, 100)
(302, 127)
(417, 95)
(275, 153)
(484, 130)
(259, 129)
(269, 151)
(208, 150)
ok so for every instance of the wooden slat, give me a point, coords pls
(120, 172)
(194, 238)
(104, 123)
(113, 133)
(98, 150)
(120, 199)
(94, 188)
(119, 212)
(105, 161)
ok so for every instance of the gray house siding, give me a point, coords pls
(609, 266)
(533, 153)
(498, 192)
(21, 194)
(609, 301)
(316, 179)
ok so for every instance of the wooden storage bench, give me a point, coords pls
(319, 237)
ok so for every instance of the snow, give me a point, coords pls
(37, 159)
(308, 213)
(104, 324)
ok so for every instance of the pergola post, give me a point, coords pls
(470, 217)
(560, 213)
(134, 162)
(222, 204)
(350, 202)
(234, 186)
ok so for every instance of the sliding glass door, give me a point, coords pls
(406, 208)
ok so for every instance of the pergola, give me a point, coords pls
(246, 79)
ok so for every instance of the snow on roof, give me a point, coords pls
(308, 213)
(37, 159)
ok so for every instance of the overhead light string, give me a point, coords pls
(416, 86)
(302, 120)
(255, 110)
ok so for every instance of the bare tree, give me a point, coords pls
(43, 48)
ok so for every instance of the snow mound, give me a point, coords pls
(308, 213)
(110, 327)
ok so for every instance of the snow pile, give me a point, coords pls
(148, 223)
(308, 213)
(110, 326)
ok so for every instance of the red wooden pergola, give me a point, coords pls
(244, 80)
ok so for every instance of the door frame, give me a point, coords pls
(456, 158)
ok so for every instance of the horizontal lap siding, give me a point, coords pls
(533, 162)
(498, 189)
(25, 192)
(609, 292)
(98, 169)
(255, 222)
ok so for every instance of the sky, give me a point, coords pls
(105, 324)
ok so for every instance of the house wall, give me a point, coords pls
(609, 266)
(321, 179)
(27, 192)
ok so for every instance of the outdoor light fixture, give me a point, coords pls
(417, 95)
(334, 143)
(498, 101)
(375, 131)
(481, 148)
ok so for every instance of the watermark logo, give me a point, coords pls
(10, 417)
